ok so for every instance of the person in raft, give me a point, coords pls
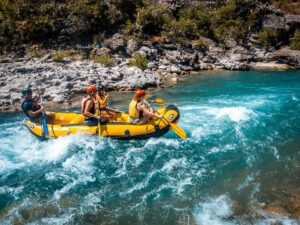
(88, 106)
(139, 113)
(102, 99)
(30, 106)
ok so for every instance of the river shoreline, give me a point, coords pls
(61, 82)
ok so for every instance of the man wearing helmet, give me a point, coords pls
(88, 106)
(30, 105)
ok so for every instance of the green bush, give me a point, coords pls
(138, 61)
(199, 16)
(131, 32)
(267, 37)
(98, 38)
(36, 52)
(60, 56)
(151, 20)
(105, 60)
(234, 20)
(295, 41)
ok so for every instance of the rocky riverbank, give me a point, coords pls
(63, 70)
(61, 81)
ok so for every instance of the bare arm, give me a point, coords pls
(87, 110)
(37, 99)
(35, 113)
(104, 101)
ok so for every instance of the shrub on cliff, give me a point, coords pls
(138, 61)
(36, 52)
(192, 23)
(267, 37)
(295, 40)
(152, 19)
(105, 59)
(234, 20)
(60, 56)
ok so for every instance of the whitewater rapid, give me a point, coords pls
(239, 135)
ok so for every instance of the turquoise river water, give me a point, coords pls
(241, 157)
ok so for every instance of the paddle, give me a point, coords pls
(99, 121)
(177, 130)
(44, 122)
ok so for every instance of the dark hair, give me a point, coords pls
(101, 88)
(143, 87)
(26, 90)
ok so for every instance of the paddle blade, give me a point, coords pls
(177, 130)
(159, 101)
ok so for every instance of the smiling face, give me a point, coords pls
(93, 94)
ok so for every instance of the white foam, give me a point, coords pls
(158, 141)
(182, 162)
(235, 114)
(294, 98)
(198, 132)
(78, 169)
(14, 191)
(214, 212)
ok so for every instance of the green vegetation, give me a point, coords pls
(61, 56)
(105, 60)
(267, 38)
(139, 61)
(36, 52)
(90, 21)
(295, 41)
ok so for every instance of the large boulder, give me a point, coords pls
(132, 46)
(275, 22)
(101, 51)
(116, 43)
(288, 56)
(293, 21)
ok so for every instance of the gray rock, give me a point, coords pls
(175, 69)
(186, 68)
(288, 56)
(116, 43)
(101, 51)
(275, 22)
(173, 56)
(132, 46)
(169, 46)
(46, 57)
(293, 21)
(149, 52)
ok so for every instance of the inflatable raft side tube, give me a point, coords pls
(41, 138)
(158, 133)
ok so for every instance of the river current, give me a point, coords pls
(241, 158)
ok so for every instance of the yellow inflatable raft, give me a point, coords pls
(73, 123)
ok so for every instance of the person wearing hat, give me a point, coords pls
(139, 113)
(102, 99)
(30, 105)
(88, 107)
(143, 87)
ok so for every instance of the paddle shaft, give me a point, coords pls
(99, 120)
(44, 121)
